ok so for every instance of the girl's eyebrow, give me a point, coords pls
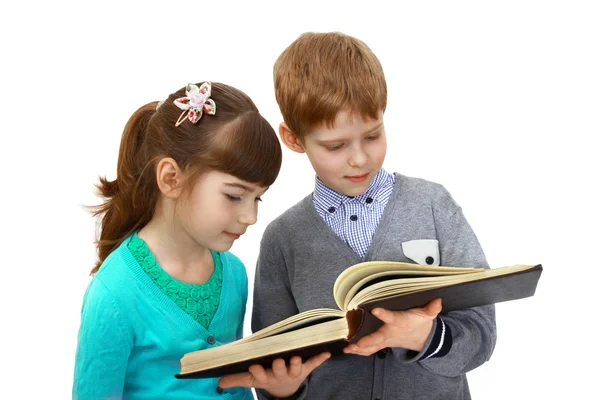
(245, 187)
(239, 185)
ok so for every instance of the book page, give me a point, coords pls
(360, 274)
(389, 275)
(236, 351)
(395, 287)
(310, 317)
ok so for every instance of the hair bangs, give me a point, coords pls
(321, 74)
(248, 149)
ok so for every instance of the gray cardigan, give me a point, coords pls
(300, 258)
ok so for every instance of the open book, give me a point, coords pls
(360, 288)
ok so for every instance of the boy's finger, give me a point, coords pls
(386, 316)
(372, 339)
(434, 307)
(362, 351)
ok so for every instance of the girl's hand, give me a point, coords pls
(407, 329)
(280, 380)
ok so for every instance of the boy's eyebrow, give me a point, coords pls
(341, 139)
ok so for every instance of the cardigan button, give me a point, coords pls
(381, 353)
(211, 340)
(429, 260)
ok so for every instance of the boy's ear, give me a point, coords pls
(290, 139)
(169, 178)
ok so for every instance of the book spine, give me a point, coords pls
(355, 320)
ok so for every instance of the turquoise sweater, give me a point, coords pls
(132, 335)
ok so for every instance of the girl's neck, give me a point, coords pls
(176, 251)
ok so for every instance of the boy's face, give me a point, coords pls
(348, 156)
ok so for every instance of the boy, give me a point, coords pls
(332, 94)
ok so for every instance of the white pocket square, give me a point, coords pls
(424, 251)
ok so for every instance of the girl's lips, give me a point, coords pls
(233, 235)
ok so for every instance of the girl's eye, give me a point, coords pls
(373, 137)
(335, 147)
(233, 198)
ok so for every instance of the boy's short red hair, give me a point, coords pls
(320, 74)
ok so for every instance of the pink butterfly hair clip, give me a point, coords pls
(196, 102)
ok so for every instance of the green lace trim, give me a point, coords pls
(199, 301)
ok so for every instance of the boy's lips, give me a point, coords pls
(234, 235)
(357, 178)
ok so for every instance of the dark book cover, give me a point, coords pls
(361, 322)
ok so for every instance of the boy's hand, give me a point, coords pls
(407, 329)
(280, 380)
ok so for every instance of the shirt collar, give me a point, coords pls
(324, 197)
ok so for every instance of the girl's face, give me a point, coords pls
(219, 209)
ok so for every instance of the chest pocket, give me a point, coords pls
(424, 251)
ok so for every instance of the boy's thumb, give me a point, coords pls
(434, 307)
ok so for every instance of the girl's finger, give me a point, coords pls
(314, 362)
(279, 369)
(295, 368)
(259, 374)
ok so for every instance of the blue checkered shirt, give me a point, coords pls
(355, 219)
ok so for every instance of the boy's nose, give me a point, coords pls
(358, 158)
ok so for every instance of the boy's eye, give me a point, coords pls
(373, 137)
(335, 147)
(233, 198)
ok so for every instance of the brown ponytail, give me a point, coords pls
(129, 204)
(236, 140)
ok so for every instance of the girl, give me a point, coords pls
(189, 177)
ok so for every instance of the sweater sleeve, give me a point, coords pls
(103, 347)
(473, 331)
(273, 299)
(244, 291)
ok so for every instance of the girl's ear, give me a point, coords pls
(169, 178)
(290, 139)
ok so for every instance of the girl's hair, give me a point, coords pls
(237, 140)
(320, 74)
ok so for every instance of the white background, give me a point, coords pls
(498, 101)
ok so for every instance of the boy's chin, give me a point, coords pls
(348, 188)
(353, 189)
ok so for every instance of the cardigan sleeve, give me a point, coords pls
(473, 330)
(103, 347)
